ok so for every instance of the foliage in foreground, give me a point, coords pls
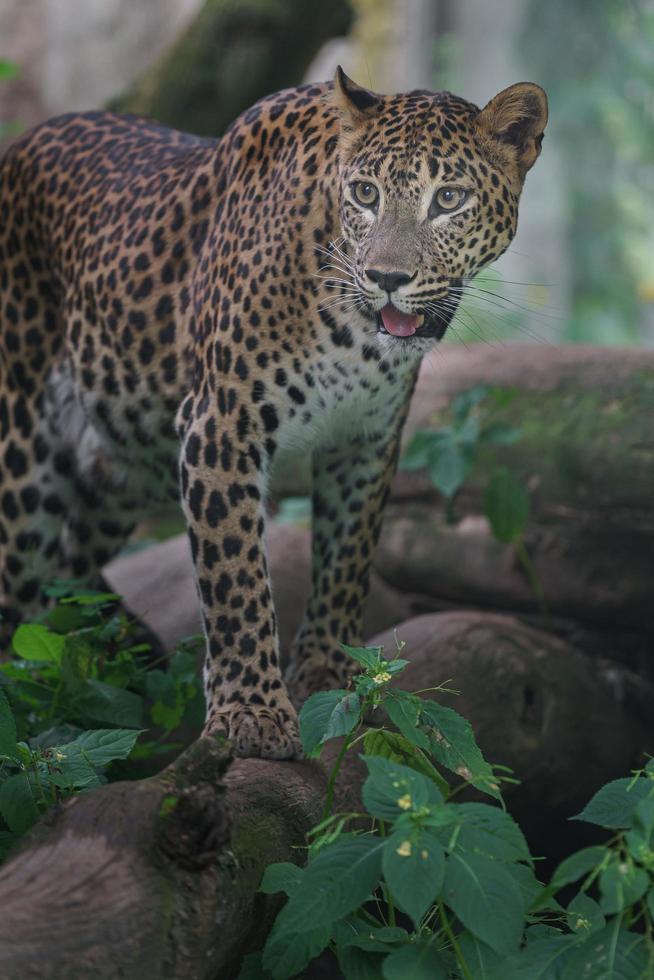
(421, 887)
(75, 698)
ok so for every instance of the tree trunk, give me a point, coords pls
(231, 55)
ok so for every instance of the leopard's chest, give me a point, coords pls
(349, 398)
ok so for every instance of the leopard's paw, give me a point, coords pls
(258, 731)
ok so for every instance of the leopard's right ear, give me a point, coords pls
(355, 104)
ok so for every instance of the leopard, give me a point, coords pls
(182, 316)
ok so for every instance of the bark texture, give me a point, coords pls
(156, 879)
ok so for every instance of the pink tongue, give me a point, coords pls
(398, 323)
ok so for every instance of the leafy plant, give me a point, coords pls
(422, 886)
(35, 775)
(74, 699)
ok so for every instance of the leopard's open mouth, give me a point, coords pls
(428, 325)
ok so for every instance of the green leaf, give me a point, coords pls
(99, 748)
(392, 789)
(483, 962)
(502, 397)
(404, 710)
(614, 805)
(467, 434)
(355, 931)
(500, 434)
(336, 882)
(577, 866)
(639, 848)
(449, 468)
(282, 877)
(585, 915)
(543, 958)
(465, 401)
(90, 599)
(110, 705)
(419, 450)
(491, 831)
(17, 804)
(359, 964)
(34, 642)
(70, 770)
(7, 729)
(315, 717)
(650, 902)
(252, 968)
(344, 717)
(531, 888)
(168, 718)
(161, 685)
(453, 744)
(611, 953)
(621, 884)
(286, 953)
(643, 819)
(415, 961)
(506, 505)
(394, 747)
(369, 657)
(486, 899)
(414, 868)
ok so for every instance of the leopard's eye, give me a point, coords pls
(365, 193)
(447, 199)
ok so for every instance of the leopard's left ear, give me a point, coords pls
(356, 104)
(516, 118)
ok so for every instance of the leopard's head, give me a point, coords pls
(429, 191)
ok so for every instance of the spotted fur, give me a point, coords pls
(160, 291)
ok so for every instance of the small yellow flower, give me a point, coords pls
(404, 850)
(404, 802)
(424, 855)
(382, 677)
(59, 756)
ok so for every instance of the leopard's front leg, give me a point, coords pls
(351, 485)
(222, 476)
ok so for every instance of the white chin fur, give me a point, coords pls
(406, 347)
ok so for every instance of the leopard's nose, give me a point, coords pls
(389, 281)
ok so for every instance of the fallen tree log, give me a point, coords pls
(157, 880)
